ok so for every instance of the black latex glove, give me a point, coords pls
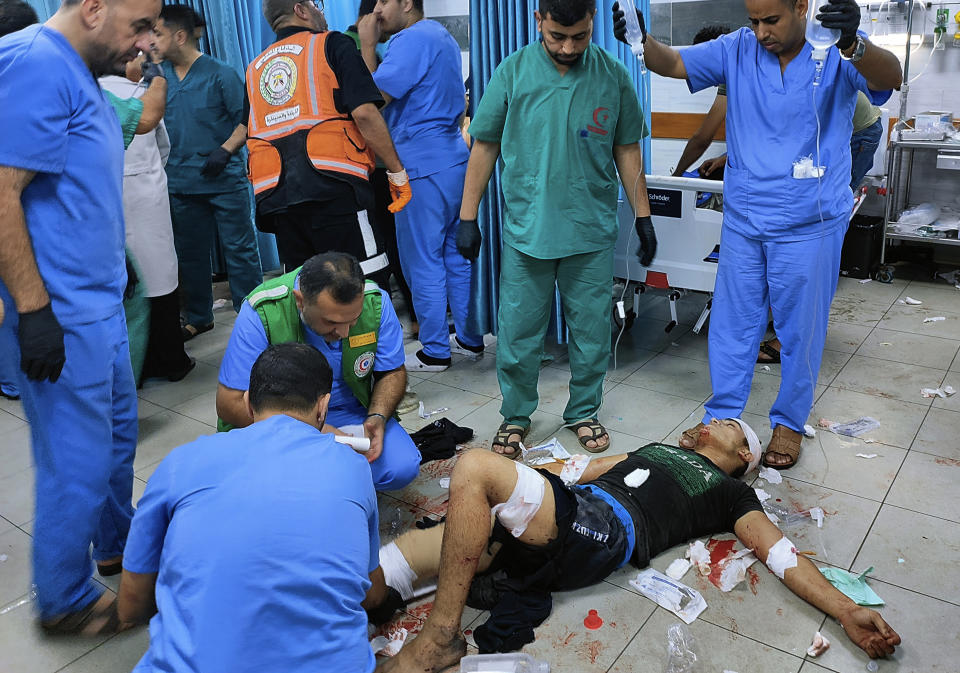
(468, 239)
(215, 163)
(620, 24)
(843, 15)
(150, 70)
(41, 345)
(648, 240)
(132, 280)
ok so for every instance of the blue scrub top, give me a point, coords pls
(421, 72)
(57, 122)
(263, 539)
(203, 109)
(771, 124)
(248, 340)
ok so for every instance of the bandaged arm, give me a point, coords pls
(757, 532)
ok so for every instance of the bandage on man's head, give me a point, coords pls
(753, 443)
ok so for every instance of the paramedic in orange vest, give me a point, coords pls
(313, 128)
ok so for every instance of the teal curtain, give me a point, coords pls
(44, 8)
(341, 14)
(497, 29)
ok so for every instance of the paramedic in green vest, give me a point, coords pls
(326, 303)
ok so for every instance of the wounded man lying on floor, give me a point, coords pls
(547, 536)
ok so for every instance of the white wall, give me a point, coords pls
(439, 9)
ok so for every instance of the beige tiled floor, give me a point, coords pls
(897, 512)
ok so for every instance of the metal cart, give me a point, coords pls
(902, 159)
(935, 165)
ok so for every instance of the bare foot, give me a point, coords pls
(425, 655)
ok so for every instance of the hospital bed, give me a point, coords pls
(688, 247)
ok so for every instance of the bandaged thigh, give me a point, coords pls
(523, 504)
(781, 557)
(397, 572)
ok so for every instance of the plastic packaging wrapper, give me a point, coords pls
(944, 392)
(861, 426)
(920, 215)
(503, 662)
(855, 587)
(681, 650)
(545, 453)
(678, 598)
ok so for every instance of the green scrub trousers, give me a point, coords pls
(526, 292)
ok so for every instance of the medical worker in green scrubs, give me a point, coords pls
(564, 116)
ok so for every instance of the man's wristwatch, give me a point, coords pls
(859, 47)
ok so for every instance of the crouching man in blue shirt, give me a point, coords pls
(252, 550)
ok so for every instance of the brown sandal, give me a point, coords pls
(785, 442)
(773, 354)
(596, 432)
(690, 436)
(502, 438)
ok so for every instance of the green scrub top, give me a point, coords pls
(203, 109)
(129, 111)
(556, 136)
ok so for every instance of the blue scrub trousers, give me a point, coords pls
(194, 218)
(796, 280)
(399, 462)
(9, 364)
(437, 274)
(84, 436)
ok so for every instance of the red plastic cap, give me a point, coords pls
(593, 621)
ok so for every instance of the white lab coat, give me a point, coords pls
(146, 205)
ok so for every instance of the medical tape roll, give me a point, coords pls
(781, 557)
(359, 444)
(518, 511)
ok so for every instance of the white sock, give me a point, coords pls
(396, 571)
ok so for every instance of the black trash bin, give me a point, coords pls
(860, 257)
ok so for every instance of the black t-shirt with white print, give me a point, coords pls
(685, 496)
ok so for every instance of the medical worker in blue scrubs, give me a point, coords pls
(63, 279)
(326, 299)
(253, 550)
(420, 77)
(783, 227)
